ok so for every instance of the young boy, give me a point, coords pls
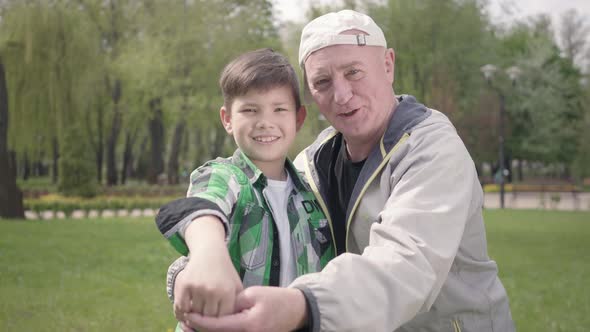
(250, 217)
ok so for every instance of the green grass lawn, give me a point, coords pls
(108, 274)
(544, 265)
(84, 275)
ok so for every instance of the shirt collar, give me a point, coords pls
(255, 175)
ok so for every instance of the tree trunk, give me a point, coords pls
(38, 166)
(99, 144)
(114, 136)
(508, 166)
(141, 160)
(156, 126)
(26, 167)
(127, 156)
(217, 149)
(55, 171)
(175, 151)
(567, 173)
(11, 198)
(13, 162)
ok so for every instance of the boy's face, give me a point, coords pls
(263, 124)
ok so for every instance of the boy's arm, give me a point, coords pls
(200, 224)
(174, 218)
(209, 283)
(213, 191)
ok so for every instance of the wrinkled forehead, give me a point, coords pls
(341, 57)
(351, 33)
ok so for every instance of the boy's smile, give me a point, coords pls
(266, 139)
(264, 124)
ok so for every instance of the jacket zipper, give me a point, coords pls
(375, 172)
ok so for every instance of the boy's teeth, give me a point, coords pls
(265, 139)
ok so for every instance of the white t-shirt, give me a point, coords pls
(277, 194)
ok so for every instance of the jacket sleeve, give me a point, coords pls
(212, 191)
(173, 270)
(434, 190)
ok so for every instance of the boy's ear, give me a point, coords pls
(300, 117)
(225, 116)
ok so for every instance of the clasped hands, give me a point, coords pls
(214, 300)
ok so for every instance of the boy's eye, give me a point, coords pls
(280, 109)
(247, 110)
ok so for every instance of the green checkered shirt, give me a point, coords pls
(235, 188)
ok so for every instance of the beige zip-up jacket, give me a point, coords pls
(416, 254)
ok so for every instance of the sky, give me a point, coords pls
(502, 11)
(294, 9)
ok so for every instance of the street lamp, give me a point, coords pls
(513, 73)
(488, 72)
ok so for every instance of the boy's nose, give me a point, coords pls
(263, 123)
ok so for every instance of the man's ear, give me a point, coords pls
(300, 117)
(225, 116)
(390, 64)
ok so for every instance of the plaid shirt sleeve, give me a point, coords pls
(213, 191)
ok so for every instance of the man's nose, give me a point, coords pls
(342, 91)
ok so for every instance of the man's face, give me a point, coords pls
(352, 86)
(263, 124)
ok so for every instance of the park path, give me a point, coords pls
(80, 214)
(565, 201)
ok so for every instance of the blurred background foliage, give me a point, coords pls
(101, 93)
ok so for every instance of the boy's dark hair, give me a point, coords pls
(261, 69)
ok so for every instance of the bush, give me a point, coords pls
(523, 187)
(67, 205)
(77, 172)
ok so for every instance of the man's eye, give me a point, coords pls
(321, 83)
(352, 72)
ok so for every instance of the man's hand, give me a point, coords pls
(209, 283)
(260, 309)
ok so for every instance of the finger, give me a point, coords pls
(229, 323)
(197, 303)
(181, 293)
(226, 306)
(178, 314)
(185, 328)
(244, 300)
(181, 305)
(211, 308)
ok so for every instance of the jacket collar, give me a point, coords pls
(406, 116)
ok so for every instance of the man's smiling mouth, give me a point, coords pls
(349, 114)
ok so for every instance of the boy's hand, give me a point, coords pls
(209, 283)
(260, 309)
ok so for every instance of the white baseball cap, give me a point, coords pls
(326, 31)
